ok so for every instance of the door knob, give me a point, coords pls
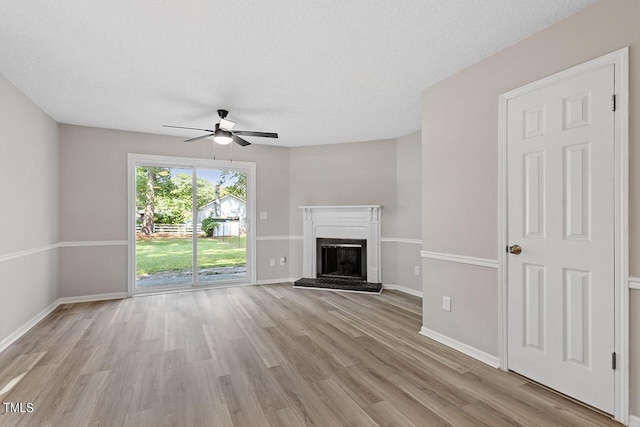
(514, 249)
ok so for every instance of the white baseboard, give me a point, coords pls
(25, 328)
(90, 298)
(275, 281)
(634, 421)
(403, 289)
(461, 347)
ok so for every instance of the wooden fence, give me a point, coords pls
(172, 228)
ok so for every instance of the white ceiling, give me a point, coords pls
(317, 72)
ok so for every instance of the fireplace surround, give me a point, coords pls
(353, 225)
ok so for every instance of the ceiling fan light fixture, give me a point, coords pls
(222, 137)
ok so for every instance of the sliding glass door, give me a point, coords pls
(164, 232)
(222, 213)
(190, 215)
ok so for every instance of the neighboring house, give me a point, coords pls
(232, 215)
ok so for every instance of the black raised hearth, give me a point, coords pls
(338, 284)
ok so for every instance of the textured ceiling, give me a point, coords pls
(317, 72)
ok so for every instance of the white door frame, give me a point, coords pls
(134, 160)
(620, 60)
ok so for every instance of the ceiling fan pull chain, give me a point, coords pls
(231, 161)
(214, 150)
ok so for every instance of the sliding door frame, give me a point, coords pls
(134, 160)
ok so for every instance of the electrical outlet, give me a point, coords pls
(446, 303)
(272, 262)
(416, 270)
(264, 215)
(283, 260)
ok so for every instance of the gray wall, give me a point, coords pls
(28, 208)
(384, 172)
(93, 201)
(460, 167)
(358, 173)
(409, 210)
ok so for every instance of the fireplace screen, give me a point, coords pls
(342, 258)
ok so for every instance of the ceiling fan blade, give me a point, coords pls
(240, 141)
(251, 133)
(227, 124)
(199, 137)
(182, 127)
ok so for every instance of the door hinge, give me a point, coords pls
(613, 102)
(613, 360)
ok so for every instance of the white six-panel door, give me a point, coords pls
(560, 181)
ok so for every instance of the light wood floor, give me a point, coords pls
(258, 356)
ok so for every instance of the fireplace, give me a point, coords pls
(342, 258)
(346, 225)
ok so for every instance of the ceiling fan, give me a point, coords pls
(223, 133)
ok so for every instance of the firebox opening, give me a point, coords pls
(342, 259)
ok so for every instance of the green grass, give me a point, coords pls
(174, 254)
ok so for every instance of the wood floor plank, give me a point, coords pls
(248, 365)
(304, 399)
(244, 408)
(14, 371)
(262, 356)
(385, 415)
(347, 410)
(413, 410)
(81, 400)
(435, 402)
(146, 381)
(287, 417)
(489, 416)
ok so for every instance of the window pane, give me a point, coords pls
(164, 244)
(222, 225)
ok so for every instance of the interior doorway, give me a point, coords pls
(563, 269)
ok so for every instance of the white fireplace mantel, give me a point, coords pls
(342, 222)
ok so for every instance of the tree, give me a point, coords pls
(206, 191)
(150, 205)
(166, 198)
(236, 183)
(175, 206)
(151, 183)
